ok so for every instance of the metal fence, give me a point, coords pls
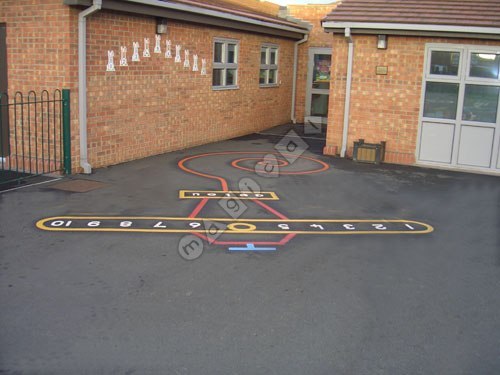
(34, 135)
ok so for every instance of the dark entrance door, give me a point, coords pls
(4, 109)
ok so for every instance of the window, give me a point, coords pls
(268, 75)
(225, 66)
(484, 65)
(441, 100)
(444, 63)
(480, 103)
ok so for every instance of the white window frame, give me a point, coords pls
(463, 79)
(268, 66)
(224, 65)
(481, 80)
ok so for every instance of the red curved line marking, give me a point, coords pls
(281, 162)
(283, 241)
(222, 181)
(324, 167)
(198, 208)
(225, 187)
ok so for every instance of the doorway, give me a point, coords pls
(318, 85)
(460, 115)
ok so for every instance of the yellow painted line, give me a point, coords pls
(273, 196)
(41, 225)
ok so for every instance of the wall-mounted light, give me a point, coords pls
(161, 25)
(382, 41)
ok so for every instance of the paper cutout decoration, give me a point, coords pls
(157, 45)
(203, 67)
(177, 53)
(195, 63)
(111, 64)
(145, 52)
(186, 58)
(135, 55)
(123, 58)
(168, 52)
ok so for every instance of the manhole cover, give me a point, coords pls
(78, 186)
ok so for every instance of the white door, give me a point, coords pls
(460, 115)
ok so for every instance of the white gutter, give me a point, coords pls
(347, 103)
(294, 79)
(410, 27)
(218, 14)
(82, 82)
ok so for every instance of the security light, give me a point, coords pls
(382, 42)
(161, 26)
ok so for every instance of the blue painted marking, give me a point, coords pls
(251, 247)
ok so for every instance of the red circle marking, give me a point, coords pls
(284, 163)
(324, 166)
(223, 181)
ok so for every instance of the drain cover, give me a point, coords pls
(78, 186)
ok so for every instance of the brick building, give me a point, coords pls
(422, 76)
(154, 76)
(224, 68)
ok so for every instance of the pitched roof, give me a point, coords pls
(257, 11)
(469, 13)
(244, 15)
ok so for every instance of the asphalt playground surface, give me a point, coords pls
(378, 295)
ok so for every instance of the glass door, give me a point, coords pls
(460, 122)
(318, 85)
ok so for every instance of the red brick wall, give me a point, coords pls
(41, 52)
(155, 105)
(383, 107)
(317, 38)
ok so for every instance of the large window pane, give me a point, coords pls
(480, 103)
(273, 60)
(441, 100)
(263, 56)
(230, 77)
(321, 71)
(263, 76)
(218, 52)
(273, 76)
(217, 77)
(319, 105)
(231, 53)
(484, 65)
(445, 63)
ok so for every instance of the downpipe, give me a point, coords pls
(294, 79)
(82, 82)
(347, 103)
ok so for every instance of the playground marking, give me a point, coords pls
(202, 227)
(234, 194)
(251, 247)
(146, 224)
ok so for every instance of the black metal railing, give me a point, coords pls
(34, 135)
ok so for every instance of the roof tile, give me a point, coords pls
(483, 13)
(258, 11)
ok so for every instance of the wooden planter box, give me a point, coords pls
(369, 152)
